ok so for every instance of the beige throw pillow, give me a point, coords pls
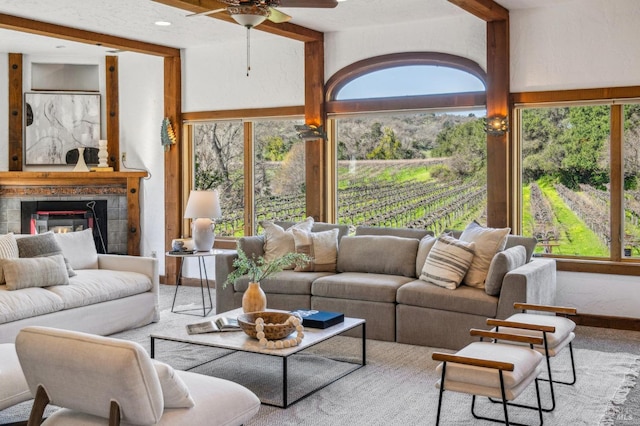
(35, 272)
(447, 262)
(321, 247)
(8, 250)
(278, 242)
(174, 391)
(488, 242)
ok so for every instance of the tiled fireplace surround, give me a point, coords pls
(116, 197)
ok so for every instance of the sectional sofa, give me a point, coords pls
(377, 277)
(59, 280)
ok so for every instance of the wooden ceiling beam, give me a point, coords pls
(292, 31)
(82, 36)
(487, 10)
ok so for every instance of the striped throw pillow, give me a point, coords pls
(8, 250)
(448, 262)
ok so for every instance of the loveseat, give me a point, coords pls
(59, 280)
(377, 277)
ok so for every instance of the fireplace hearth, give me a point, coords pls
(66, 216)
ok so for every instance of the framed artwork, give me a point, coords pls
(56, 123)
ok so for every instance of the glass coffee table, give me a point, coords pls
(304, 380)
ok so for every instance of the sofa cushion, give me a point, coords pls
(464, 299)
(99, 285)
(394, 232)
(8, 250)
(359, 286)
(319, 227)
(27, 303)
(529, 243)
(448, 262)
(174, 391)
(278, 242)
(35, 272)
(285, 282)
(79, 248)
(503, 262)
(321, 247)
(488, 242)
(41, 245)
(424, 247)
(378, 254)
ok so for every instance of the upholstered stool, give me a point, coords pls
(13, 385)
(494, 370)
(557, 333)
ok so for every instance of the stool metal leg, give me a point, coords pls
(178, 283)
(573, 369)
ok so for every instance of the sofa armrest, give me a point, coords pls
(143, 265)
(224, 294)
(534, 282)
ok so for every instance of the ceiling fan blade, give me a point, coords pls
(309, 3)
(209, 12)
(278, 17)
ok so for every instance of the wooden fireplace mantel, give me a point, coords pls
(129, 181)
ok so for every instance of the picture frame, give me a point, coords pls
(56, 123)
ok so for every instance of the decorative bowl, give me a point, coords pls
(274, 324)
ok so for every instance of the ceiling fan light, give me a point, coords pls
(249, 16)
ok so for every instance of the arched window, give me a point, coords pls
(408, 141)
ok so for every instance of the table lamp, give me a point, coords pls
(203, 206)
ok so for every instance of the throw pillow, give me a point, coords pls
(503, 262)
(8, 250)
(78, 248)
(321, 247)
(488, 242)
(424, 247)
(35, 272)
(278, 242)
(174, 391)
(40, 245)
(448, 262)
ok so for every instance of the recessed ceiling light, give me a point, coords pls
(163, 23)
(61, 46)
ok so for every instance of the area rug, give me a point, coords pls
(396, 387)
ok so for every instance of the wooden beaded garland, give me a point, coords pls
(283, 343)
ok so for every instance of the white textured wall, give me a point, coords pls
(141, 100)
(215, 76)
(465, 36)
(575, 45)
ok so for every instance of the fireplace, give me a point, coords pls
(66, 216)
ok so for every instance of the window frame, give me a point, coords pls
(615, 98)
(247, 117)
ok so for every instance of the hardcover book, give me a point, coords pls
(319, 319)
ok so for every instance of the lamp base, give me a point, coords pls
(203, 236)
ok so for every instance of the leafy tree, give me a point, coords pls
(466, 145)
(388, 148)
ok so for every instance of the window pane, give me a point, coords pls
(631, 156)
(410, 81)
(421, 170)
(279, 185)
(565, 167)
(219, 163)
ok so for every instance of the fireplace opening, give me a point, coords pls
(38, 217)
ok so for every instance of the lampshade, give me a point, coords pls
(249, 15)
(203, 204)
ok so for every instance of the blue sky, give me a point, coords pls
(411, 80)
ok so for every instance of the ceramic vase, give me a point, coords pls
(81, 166)
(254, 299)
(102, 153)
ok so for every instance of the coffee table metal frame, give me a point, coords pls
(240, 342)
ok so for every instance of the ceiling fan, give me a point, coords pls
(250, 13)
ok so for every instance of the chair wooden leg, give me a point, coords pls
(114, 414)
(37, 410)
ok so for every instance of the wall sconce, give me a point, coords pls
(497, 125)
(310, 132)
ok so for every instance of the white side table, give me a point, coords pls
(200, 255)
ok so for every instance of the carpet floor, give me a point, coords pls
(396, 387)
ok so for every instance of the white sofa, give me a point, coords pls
(107, 294)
